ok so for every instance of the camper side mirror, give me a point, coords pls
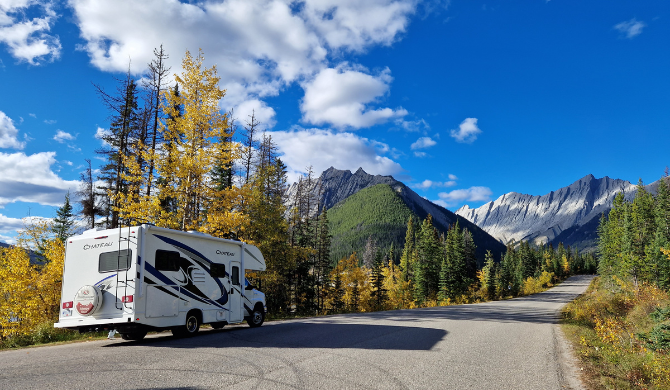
(249, 287)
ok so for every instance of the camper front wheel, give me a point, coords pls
(190, 328)
(257, 317)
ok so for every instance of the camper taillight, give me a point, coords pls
(127, 299)
(68, 305)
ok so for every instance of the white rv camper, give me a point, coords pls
(149, 278)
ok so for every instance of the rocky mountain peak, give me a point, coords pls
(543, 219)
(336, 185)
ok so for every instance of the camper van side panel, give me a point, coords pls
(185, 272)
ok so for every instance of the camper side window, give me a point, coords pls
(167, 260)
(218, 270)
(114, 261)
(236, 275)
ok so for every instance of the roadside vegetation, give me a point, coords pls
(620, 328)
(621, 335)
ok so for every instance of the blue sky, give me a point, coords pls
(462, 100)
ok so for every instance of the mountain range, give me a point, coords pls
(569, 215)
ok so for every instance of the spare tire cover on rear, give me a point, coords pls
(87, 300)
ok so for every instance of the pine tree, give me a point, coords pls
(250, 144)
(88, 197)
(406, 261)
(427, 266)
(490, 272)
(156, 85)
(124, 122)
(377, 280)
(64, 223)
(338, 294)
(322, 268)
(470, 258)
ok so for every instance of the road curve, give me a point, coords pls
(512, 344)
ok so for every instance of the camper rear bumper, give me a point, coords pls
(92, 322)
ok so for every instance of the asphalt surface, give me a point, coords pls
(512, 344)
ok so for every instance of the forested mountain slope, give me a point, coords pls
(382, 212)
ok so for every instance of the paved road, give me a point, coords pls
(511, 344)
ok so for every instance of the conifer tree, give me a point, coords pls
(124, 122)
(338, 294)
(427, 266)
(377, 280)
(88, 197)
(64, 223)
(156, 85)
(406, 260)
(490, 272)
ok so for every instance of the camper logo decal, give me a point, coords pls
(100, 245)
(218, 252)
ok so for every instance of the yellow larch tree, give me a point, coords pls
(399, 291)
(197, 136)
(30, 294)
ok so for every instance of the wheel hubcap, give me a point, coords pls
(257, 317)
(191, 324)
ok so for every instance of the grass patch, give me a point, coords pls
(621, 335)
(45, 333)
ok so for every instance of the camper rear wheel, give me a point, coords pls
(191, 327)
(257, 317)
(139, 335)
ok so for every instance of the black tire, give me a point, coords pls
(217, 325)
(257, 317)
(191, 327)
(134, 335)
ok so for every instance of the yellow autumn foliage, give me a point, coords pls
(399, 291)
(30, 293)
(193, 145)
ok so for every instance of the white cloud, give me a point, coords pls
(26, 178)
(7, 240)
(49, 121)
(452, 177)
(472, 194)
(259, 46)
(426, 184)
(262, 113)
(8, 133)
(467, 131)
(420, 154)
(324, 148)
(412, 126)
(62, 136)
(28, 39)
(342, 96)
(8, 224)
(630, 28)
(354, 24)
(423, 143)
